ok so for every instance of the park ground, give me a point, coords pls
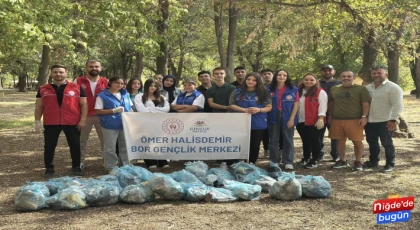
(349, 207)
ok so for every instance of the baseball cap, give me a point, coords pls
(327, 66)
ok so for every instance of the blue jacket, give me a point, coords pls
(258, 120)
(288, 100)
(114, 121)
(183, 100)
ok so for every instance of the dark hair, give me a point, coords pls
(287, 83)
(114, 78)
(58, 66)
(145, 95)
(261, 92)
(239, 68)
(203, 72)
(92, 61)
(219, 68)
(129, 86)
(267, 70)
(312, 91)
(348, 70)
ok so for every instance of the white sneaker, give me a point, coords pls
(165, 166)
(133, 161)
(267, 154)
(288, 167)
(224, 166)
(82, 165)
(153, 167)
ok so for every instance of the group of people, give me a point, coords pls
(275, 104)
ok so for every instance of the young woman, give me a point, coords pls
(152, 102)
(134, 87)
(169, 89)
(189, 101)
(282, 118)
(312, 110)
(253, 98)
(109, 106)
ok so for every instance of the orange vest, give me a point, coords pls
(69, 112)
(91, 99)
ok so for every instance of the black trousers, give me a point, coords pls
(51, 134)
(254, 146)
(311, 140)
(266, 140)
(158, 163)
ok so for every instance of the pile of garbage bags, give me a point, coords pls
(137, 185)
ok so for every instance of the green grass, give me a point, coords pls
(16, 124)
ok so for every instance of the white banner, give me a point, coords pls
(188, 136)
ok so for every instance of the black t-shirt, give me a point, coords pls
(236, 84)
(59, 90)
(202, 90)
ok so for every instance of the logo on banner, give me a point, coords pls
(172, 126)
(200, 126)
(394, 209)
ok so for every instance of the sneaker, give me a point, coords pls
(82, 164)
(358, 166)
(49, 173)
(165, 166)
(303, 162)
(334, 159)
(77, 171)
(288, 167)
(267, 154)
(388, 168)
(152, 167)
(320, 158)
(340, 164)
(370, 164)
(224, 166)
(133, 161)
(311, 164)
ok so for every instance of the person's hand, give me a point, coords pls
(38, 127)
(319, 124)
(290, 123)
(391, 125)
(253, 110)
(362, 121)
(119, 109)
(81, 125)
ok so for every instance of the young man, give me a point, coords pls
(64, 108)
(93, 84)
(385, 108)
(189, 101)
(240, 74)
(349, 105)
(327, 82)
(218, 98)
(267, 76)
(205, 79)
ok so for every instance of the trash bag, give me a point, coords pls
(71, 198)
(250, 178)
(247, 173)
(287, 189)
(265, 182)
(220, 175)
(101, 194)
(57, 184)
(31, 197)
(112, 180)
(219, 195)
(315, 186)
(166, 187)
(125, 178)
(274, 170)
(198, 168)
(185, 177)
(138, 194)
(243, 191)
(194, 192)
(140, 172)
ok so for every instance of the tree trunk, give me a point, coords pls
(233, 22)
(393, 64)
(219, 33)
(43, 68)
(415, 71)
(22, 82)
(161, 59)
(139, 65)
(370, 53)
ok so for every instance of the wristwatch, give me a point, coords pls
(364, 116)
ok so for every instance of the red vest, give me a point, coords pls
(91, 99)
(311, 109)
(69, 113)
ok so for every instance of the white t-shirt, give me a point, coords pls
(198, 101)
(99, 104)
(91, 83)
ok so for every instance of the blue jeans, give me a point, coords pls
(274, 131)
(374, 132)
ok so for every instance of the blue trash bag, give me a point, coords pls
(100, 193)
(111, 179)
(198, 168)
(31, 197)
(71, 198)
(247, 173)
(125, 177)
(274, 170)
(286, 175)
(243, 191)
(138, 194)
(166, 187)
(220, 195)
(251, 177)
(194, 192)
(140, 172)
(287, 189)
(57, 184)
(266, 182)
(220, 176)
(315, 186)
(185, 177)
